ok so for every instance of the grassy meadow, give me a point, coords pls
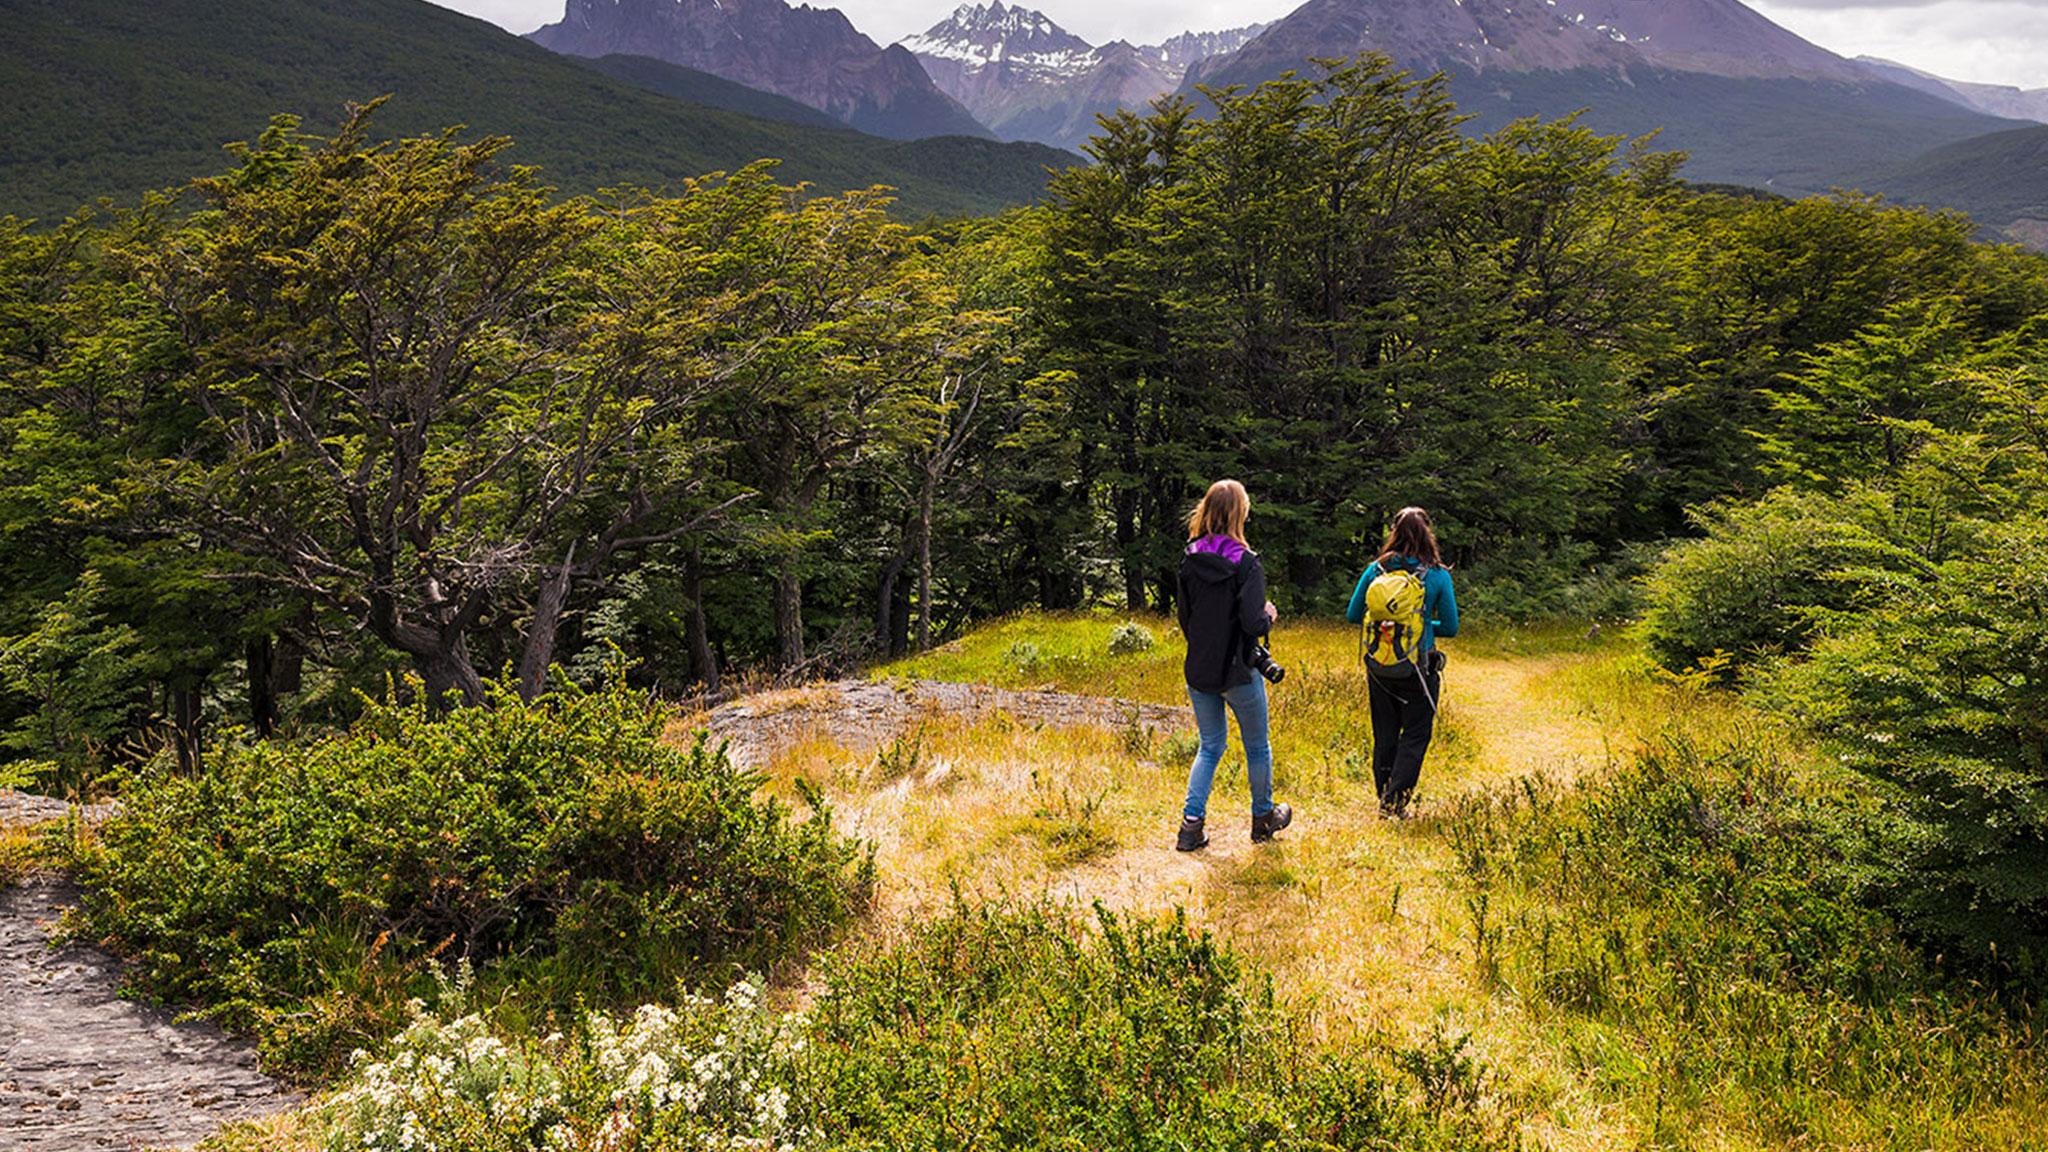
(1623, 918)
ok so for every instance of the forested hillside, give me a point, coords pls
(2002, 177)
(719, 431)
(695, 87)
(105, 98)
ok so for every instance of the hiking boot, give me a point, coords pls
(1263, 827)
(1192, 837)
(1395, 809)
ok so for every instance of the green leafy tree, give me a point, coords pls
(81, 678)
(1859, 407)
(434, 395)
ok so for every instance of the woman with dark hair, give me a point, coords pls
(1223, 614)
(1405, 604)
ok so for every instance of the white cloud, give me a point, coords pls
(513, 15)
(1989, 41)
(1992, 41)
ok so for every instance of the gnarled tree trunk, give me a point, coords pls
(696, 633)
(789, 615)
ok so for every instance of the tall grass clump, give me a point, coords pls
(306, 891)
(1006, 1028)
(1695, 927)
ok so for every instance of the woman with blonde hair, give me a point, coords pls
(1224, 614)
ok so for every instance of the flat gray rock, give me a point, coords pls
(26, 808)
(81, 1068)
(868, 713)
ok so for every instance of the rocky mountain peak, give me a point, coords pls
(812, 55)
(1184, 51)
(1019, 40)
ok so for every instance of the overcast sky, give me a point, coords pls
(1992, 41)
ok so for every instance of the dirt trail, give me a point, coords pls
(1523, 725)
(81, 1068)
(1520, 722)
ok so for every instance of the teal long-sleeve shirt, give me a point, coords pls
(1439, 601)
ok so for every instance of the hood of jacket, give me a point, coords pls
(1218, 546)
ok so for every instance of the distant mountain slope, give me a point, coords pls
(1027, 78)
(2000, 178)
(692, 86)
(1752, 103)
(812, 55)
(1992, 99)
(1796, 137)
(109, 97)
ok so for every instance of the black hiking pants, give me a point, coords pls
(1403, 720)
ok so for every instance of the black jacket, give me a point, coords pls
(1222, 611)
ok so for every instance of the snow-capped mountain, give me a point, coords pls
(1027, 78)
(985, 40)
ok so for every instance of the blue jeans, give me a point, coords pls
(1249, 704)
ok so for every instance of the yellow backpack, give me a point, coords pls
(1393, 619)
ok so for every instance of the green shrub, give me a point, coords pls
(1944, 694)
(1131, 639)
(1026, 658)
(1021, 1029)
(1698, 923)
(1531, 581)
(1764, 575)
(302, 889)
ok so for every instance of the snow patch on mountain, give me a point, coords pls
(1026, 77)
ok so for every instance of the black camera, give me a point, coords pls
(1263, 663)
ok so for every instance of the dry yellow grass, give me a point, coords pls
(1354, 916)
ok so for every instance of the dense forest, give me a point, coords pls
(399, 408)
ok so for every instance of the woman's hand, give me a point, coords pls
(1272, 613)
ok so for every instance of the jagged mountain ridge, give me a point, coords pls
(1190, 48)
(812, 55)
(1027, 78)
